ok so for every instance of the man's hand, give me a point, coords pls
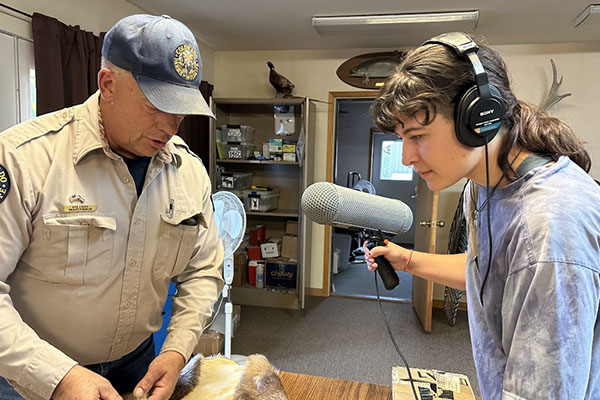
(160, 380)
(82, 384)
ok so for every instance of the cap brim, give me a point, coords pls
(173, 99)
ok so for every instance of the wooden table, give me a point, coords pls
(303, 387)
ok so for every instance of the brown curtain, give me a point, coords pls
(67, 61)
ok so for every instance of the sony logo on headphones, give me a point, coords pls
(486, 112)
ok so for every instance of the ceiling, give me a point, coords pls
(226, 25)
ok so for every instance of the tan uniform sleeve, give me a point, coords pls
(26, 360)
(198, 286)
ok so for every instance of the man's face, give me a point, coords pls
(138, 128)
(435, 152)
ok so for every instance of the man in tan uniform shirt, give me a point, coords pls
(87, 256)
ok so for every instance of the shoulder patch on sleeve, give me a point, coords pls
(4, 183)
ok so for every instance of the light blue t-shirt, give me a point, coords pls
(537, 335)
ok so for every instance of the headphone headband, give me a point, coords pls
(465, 47)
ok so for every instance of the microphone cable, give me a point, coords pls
(387, 325)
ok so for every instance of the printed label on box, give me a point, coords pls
(254, 202)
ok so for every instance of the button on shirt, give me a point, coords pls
(84, 263)
(537, 334)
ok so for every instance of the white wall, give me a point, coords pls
(91, 15)
(245, 74)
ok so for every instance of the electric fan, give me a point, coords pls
(230, 218)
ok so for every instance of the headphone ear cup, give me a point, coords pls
(461, 119)
(473, 113)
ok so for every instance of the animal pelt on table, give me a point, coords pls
(218, 378)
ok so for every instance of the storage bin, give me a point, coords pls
(239, 151)
(238, 133)
(238, 192)
(259, 200)
(236, 180)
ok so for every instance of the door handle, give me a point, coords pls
(428, 224)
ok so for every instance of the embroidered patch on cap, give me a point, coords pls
(4, 183)
(186, 62)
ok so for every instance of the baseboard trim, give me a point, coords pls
(318, 292)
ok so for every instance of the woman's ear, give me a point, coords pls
(107, 84)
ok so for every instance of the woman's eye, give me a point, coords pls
(416, 138)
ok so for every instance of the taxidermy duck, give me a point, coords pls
(283, 85)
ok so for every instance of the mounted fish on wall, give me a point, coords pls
(369, 71)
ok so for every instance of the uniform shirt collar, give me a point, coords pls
(90, 136)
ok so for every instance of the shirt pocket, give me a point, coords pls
(79, 248)
(178, 236)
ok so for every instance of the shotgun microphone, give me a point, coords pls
(329, 204)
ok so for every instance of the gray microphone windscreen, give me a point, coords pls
(330, 204)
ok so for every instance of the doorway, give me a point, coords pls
(367, 160)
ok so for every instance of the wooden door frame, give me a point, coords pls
(333, 97)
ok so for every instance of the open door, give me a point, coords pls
(426, 224)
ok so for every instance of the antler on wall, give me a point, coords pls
(553, 96)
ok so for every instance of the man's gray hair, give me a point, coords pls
(120, 72)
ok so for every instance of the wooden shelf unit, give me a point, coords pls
(291, 178)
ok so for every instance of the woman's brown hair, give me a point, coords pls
(432, 78)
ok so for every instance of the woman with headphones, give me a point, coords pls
(532, 270)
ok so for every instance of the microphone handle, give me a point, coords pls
(384, 268)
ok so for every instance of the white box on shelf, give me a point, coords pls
(271, 249)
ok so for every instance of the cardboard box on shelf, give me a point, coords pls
(288, 146)
(291, 227)
(281, 273)
(291, 157)
(275, 146)
(240, 268)
(289, 247)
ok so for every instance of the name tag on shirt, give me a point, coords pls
(76, 208)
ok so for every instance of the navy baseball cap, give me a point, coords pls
(162, 55)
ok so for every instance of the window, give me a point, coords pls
(391, 168)
(17, 81)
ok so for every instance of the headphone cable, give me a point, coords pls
(489, 228)
(487, 204)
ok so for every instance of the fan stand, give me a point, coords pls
(228, 277)
(233, 203)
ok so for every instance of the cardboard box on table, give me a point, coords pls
(430, 384)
